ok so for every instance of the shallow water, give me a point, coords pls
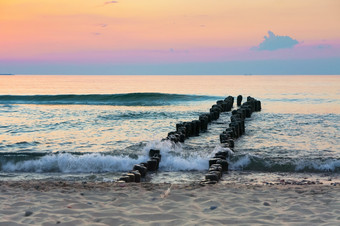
(76, 126)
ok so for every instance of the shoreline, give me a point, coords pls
(49, 185)
(112, 203)
(75, 186)
(184, 177)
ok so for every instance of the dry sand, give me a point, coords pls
(77, 203)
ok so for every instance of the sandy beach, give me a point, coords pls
(85, 203)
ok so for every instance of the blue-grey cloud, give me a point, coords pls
(273, 42)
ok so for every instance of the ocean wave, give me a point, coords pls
(99, 163)
(302, 99)
(68, 163)
(173, 159)
(126, 115)
(128, 99)
(255, 163)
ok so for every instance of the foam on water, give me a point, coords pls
(240, 163)
(68, 163)
(257, 163)
(329, 165)
(173, 159)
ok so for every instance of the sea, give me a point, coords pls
(94, 128)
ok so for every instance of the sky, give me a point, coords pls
(170, 37)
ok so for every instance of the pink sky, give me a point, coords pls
(159, 31)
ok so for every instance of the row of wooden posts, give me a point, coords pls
(219, 164)
(184, 130)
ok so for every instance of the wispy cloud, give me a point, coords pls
(110, 2)
(273, 42)
(323, 46)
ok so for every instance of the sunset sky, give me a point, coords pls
(170, 37)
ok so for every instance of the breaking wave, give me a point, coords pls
(128, 99)
(255, 163)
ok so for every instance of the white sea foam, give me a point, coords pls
(220, 148)
(68, 163)
(165, 146)
(173, 159)
(240, 163)
(253, 162)
(195, 161)
(328, 165)
(177, 163)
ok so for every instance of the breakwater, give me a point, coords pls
(184, 130)
(236, 128)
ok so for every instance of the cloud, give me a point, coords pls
(110, 2)
(102, 25)
(323, 46)
(273, 42)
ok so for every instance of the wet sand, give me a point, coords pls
(99, 203)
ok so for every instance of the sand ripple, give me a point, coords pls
(66, 203)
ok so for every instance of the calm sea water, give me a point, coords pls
(94, 127)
